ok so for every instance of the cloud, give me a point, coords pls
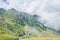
(3, 4)
(50, 14)
(26, 5)
(11, 4)
(48, 10)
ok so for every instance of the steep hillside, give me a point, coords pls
(24, 18)
(12, 23)
(8, 28)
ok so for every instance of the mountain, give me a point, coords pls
(13, 23)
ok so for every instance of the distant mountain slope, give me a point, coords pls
(12, 22)
(24, 18)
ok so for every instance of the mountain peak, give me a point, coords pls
(13, 9)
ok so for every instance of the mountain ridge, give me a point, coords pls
(12, 22)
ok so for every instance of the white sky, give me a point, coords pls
(48, 9)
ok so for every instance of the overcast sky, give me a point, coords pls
(48, 10)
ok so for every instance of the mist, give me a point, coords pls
(48, 10)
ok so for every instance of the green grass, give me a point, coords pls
(9, 29)
(41, 38)
(7, 37)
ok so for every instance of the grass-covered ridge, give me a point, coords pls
(12, 23)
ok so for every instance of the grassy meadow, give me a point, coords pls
(39, 38)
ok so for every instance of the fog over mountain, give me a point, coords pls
(48, 10)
